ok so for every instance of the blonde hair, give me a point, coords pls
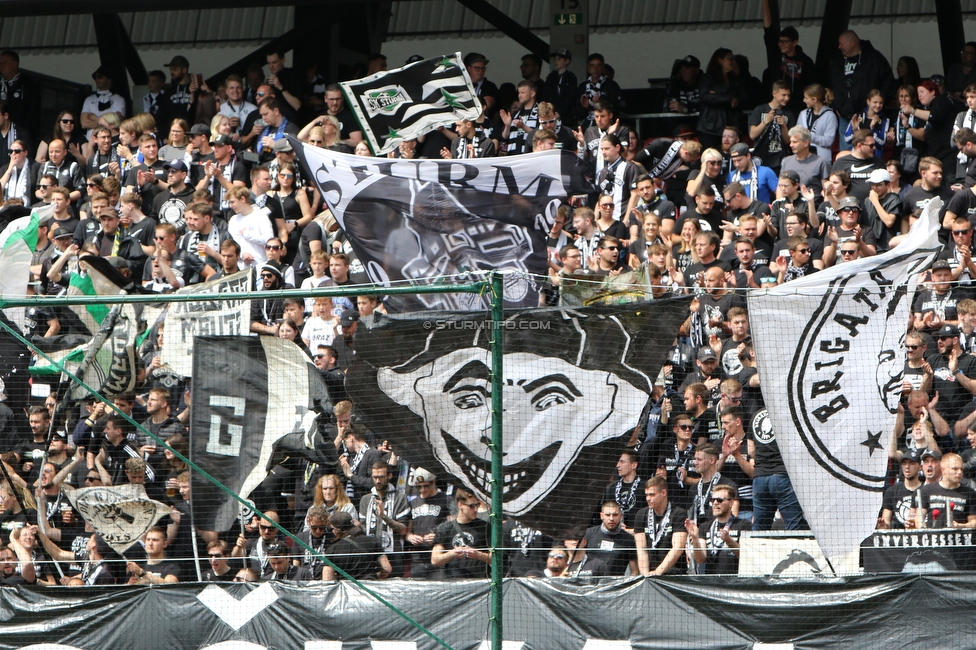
(341, 499)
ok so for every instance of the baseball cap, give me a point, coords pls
(223, 140)
(683, 131)
(947, 330)
(879, 176)
(413, 59)
(178, 62)
(707, 354)
(200, 129)
(177, 165)
(423, 475)
(282, 146)
(849, 203)
(691, 61)
(62, 232)
(739, 149)
(932, 453)
(343, 521)
(563, 52)
(102, 71)
(940, 265)
(348, 317)
(911, 455)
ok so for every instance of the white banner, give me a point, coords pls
(830, 351)
(184, 320)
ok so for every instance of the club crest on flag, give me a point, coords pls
(384, 100)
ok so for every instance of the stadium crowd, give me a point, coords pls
(777, 179)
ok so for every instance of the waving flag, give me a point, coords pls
(401, 104)
(17, 242)
(830, 350)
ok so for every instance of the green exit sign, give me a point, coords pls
(567, 19)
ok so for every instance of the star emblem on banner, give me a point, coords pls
(393, 134)
(447, 62)
(451, 100)
(873, 442)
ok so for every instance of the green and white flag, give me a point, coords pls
(401, 104)
(17, 243)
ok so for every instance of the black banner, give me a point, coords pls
(919, 551)
(577, 383)
(248, 392)
(705, 612)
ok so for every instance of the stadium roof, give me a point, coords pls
(66, 24)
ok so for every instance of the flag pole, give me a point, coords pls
(497, 382)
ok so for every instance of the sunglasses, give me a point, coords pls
(557, 556)
(63, 121)
(471, 505)
(16, 151)
(913, 347)
(272, 247)
(159, 238)
(954, 232)
(319, 356)
(91, 185)
(215, 557)
(720, 500)
(286, 176)
(317, 527)
(802, 250)
(685, 427)
(267, 276)
(423, 485)
(843, 252)
(263, 527)
(44, 187)
(93, 478)
(611, 248)
(732, 399)
(606, 205)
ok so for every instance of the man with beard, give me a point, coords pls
(354, 552)
(758, 181)
(659, 533)
(936, 307)
(898, 509)
(469, 143)
(266, 313)
(385, 513)
(676, 454)
(520, 124)
(345, 344)
(860, 163)
(716, 544)
(357, 462)
(849, 230)
(318, 537)
(798, 264)
(750, 273)
(610, 542)
(710, 310)
(169, 205)
(918, 196)
(707, 463)
(606, 262)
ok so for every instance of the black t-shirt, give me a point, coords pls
(721, 559)
(357, 555)
(782, 249)
(900, 500)
(616, 549)
(918, 197)
(952, 396)
(860, 171)
(768, 459)
(658, 534)
(709, 222)
(770, 146)
(693, 270)
(671, 459)
(453, 534)
(347, 123)
(938, 501)
(628, 497)
(963, 204)
(944, 305)
(426, 515)
(526, 549)
(711, 307)
(165, 568)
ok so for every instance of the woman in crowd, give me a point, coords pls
(906, 124)
(65, 128)
(720, 96)
(937, 116)
(683, 253)
(330, 133)
(907, 71)
(296, 207)
(289, 330)
(872, 117)
(819, 119)
(178, 140)
(835, 189)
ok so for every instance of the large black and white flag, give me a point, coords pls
(437, 221)
(830, 351)
(576, 386)
(247, 393)
(401, 104)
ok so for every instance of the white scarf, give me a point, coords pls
(17, 185)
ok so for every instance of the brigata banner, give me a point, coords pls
(402, 104)
(577, 385)
(437, 221)
(830, 350)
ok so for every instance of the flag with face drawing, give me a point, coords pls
(402, 104)
(576, 386)
(448, 221)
